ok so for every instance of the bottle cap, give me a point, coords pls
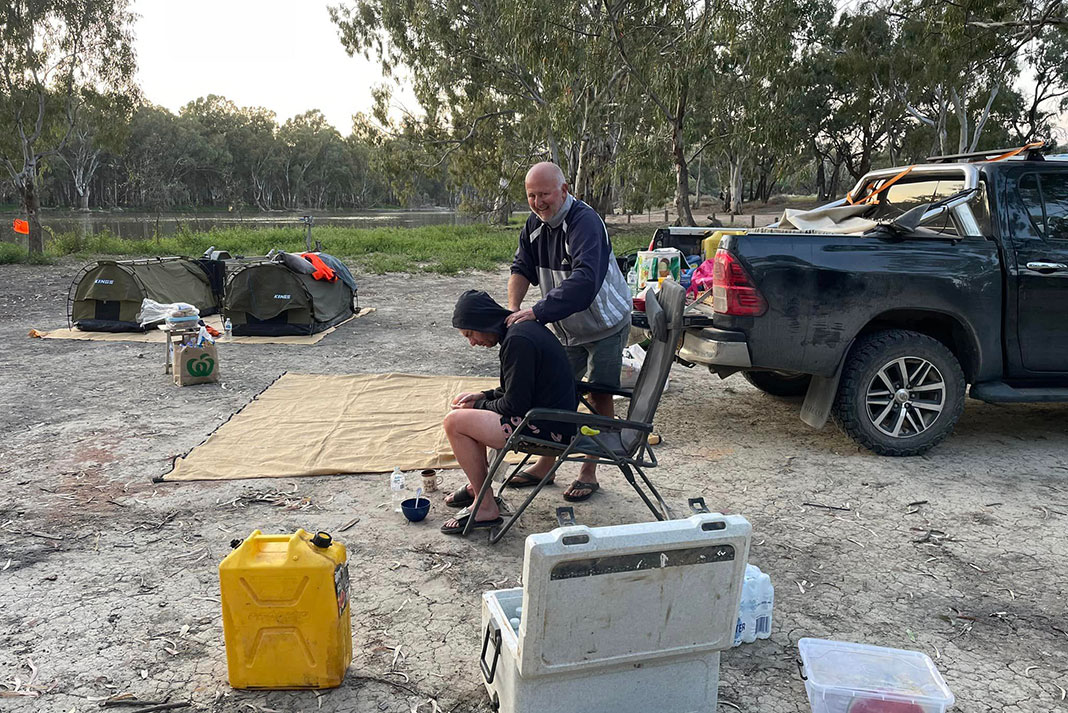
(322, 539)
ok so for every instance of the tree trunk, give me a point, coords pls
(678, 152)
(31, 203)
(697, 197)
(84, 196)
(736, 184)
(821, 179)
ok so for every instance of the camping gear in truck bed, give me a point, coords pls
(622, 618)
(106, 295)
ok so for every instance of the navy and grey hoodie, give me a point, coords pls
(584, 296)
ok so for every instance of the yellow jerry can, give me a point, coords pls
(286, 614)
(710, 244)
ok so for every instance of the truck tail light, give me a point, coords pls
(733, 291)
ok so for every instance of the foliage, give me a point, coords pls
(55, 57)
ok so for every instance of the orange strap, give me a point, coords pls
(1014, 152)
(322, 270)
(881, 188)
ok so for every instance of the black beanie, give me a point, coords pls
(477, 311)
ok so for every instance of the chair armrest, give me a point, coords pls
(589, 387)
(585, 419)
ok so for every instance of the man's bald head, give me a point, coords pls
(546, 189)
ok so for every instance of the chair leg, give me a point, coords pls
(487, 486)
(664, 512)
(498, 533)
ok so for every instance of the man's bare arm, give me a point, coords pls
(517, 290)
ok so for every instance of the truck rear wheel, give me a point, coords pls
(779, 383)
(901, 393)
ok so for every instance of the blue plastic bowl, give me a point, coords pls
(415, 509)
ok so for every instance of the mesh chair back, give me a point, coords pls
(658, 360)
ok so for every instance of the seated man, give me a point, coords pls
(535, 373)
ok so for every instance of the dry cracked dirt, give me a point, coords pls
(108, 581)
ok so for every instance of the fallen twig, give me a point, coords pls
(827, 507)
(44, 535)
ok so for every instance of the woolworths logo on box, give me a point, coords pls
(200, 367)
(283, 297)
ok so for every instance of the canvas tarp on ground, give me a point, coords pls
(106, 295)
(268, 298)
(155, 336)
(309, 424)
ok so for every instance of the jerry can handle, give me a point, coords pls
(490, 672)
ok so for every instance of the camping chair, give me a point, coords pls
(623, 443)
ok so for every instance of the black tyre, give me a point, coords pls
(779, 383)
(901, 393)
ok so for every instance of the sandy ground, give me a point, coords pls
(108, 582)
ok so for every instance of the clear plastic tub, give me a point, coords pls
(857, 678)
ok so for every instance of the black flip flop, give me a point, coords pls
(460, 498)
(587, 489)
(478, 524)
(523, 479)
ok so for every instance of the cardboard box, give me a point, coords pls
(655, 264)
(196, 365)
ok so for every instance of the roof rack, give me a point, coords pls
(1032, 152)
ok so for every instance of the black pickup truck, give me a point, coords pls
(959, 278)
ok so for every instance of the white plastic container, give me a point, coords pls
(857, 678)
(617, 619)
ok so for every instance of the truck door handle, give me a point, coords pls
(1046, 267)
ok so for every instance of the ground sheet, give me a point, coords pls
(215, 320)
(309, 424)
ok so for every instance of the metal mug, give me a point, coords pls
(431, 480)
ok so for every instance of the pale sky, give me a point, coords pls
(284, 55)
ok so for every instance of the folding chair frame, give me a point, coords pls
(578, 450)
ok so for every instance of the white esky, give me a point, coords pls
(284, 55)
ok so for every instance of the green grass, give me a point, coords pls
(442, 249)
(437, 248)
(11, 254)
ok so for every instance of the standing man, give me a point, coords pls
(564, 249)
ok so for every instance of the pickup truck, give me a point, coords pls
(961, 282)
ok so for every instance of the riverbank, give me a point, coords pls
(441, 249)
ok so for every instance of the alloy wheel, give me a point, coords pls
(905, 397)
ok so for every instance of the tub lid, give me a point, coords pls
(607, 595)
(899, 674)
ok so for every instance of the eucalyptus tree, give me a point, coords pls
(50, 51)
(958, 57)
(501, 84)
(100, 129)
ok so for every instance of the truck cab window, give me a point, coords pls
(1055, 201)
(1031, 197)
(905, 195)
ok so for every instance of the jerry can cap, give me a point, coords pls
(322, 539)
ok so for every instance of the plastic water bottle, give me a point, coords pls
(228, 329)
(632, 281)
(746, 627)
(396, 486)
(765, 603)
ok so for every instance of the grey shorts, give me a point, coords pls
(600, 361)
